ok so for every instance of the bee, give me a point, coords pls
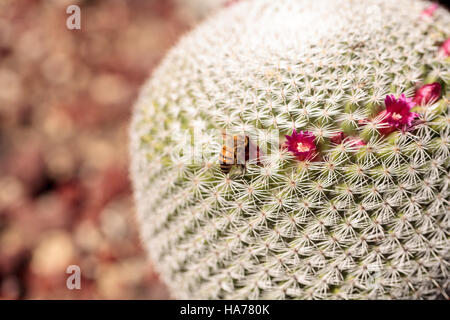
(237, 150)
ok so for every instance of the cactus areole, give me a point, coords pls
(349, 198)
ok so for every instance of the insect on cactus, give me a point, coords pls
(354, 202)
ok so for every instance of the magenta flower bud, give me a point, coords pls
(302, 145)
(338, 137)
(428, 12)
(229, 3)
(445, 48)
(383, 115)
(428, 93)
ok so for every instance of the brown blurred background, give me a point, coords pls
(65, 103)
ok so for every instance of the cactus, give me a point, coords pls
(366, 216)
(200, 9)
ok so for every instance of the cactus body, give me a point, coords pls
(368, 220)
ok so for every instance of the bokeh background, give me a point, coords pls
(65, 102)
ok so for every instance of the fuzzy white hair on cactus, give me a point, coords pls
(348, 102)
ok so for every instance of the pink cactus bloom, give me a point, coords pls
(302, 145)
(428, 12)
(428, 93)
(398, 111)
(445, 48)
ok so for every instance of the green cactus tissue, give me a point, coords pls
(298, 149)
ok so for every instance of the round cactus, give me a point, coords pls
(200, 8)
(348, 103)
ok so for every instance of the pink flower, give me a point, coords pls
(428, 12)
(302, 145)
(445, 48)
(428, 93)
(397, 115)
(398, 111)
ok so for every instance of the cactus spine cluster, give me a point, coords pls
(361, 222)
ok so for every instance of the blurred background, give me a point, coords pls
(65, 103)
